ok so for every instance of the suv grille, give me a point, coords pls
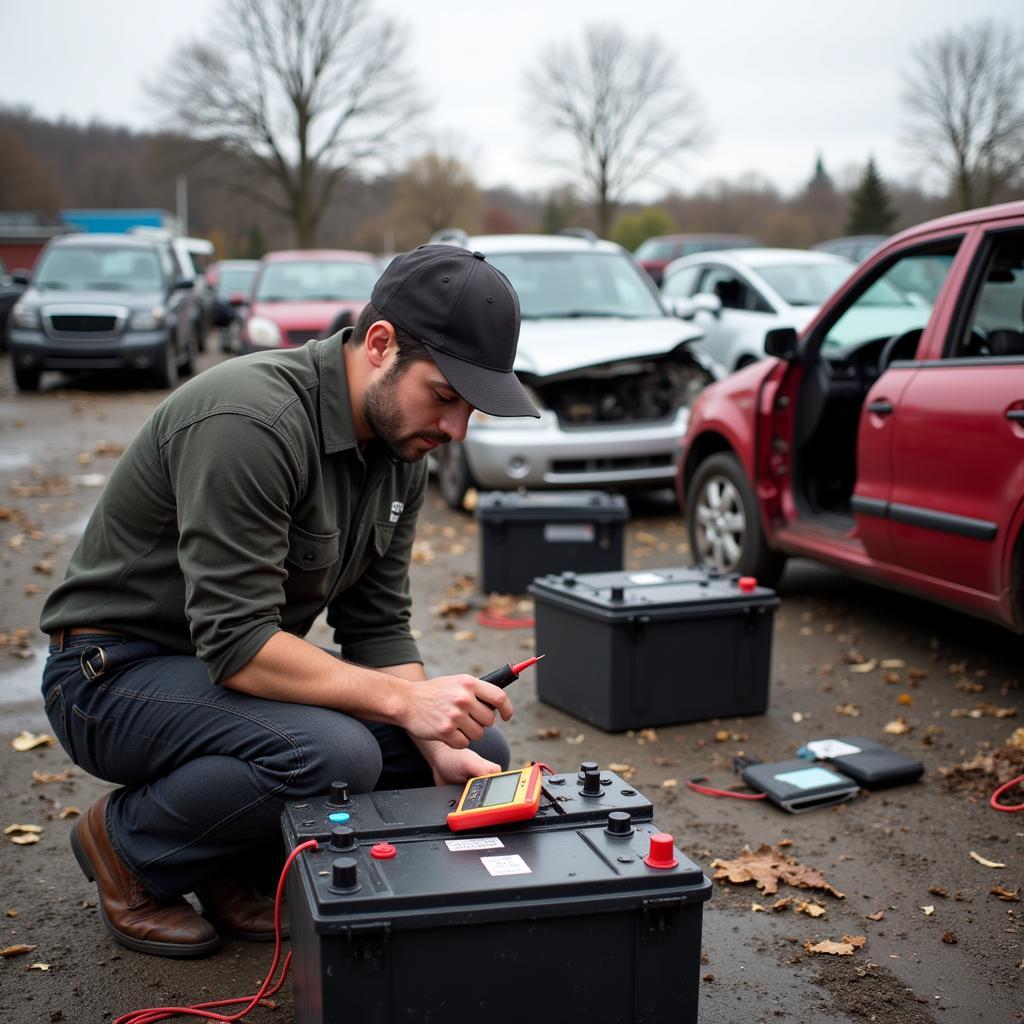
(83, 324)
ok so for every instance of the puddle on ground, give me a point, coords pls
(13, 459)
(20, 678)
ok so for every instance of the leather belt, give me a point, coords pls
(58, 636)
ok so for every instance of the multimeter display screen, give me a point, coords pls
(501, 789)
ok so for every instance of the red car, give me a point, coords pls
(887, 439)
(305, 294)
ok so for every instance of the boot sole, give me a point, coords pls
(151, 946)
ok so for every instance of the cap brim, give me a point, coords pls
(495, 392)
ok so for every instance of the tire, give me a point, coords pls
(453, 475)
(188, 367)
(723, 522)
(165, 375)
(26, 379)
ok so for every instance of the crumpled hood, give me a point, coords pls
(550, 347)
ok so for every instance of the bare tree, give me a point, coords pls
(620, 105)
(303, 90)
(965, 98)
(434, 191)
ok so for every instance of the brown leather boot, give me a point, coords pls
(238, 909)
(131, 913)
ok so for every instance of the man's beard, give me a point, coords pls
(384, 414)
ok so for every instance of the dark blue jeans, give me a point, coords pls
(206, 770)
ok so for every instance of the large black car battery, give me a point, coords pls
(627, 650)
(591, 914)
(527, 535)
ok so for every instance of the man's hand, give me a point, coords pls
(452, 767)
(453, 709)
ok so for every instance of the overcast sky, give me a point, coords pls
(779, 82)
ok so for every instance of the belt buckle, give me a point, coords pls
(88, 669)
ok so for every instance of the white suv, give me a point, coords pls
(612, 373)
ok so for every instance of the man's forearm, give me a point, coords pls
(290, 669)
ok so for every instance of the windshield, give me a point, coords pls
(806, 284)
(316, 281)
(578, 284)
(235, 280)
(653, 249)
(106, 268)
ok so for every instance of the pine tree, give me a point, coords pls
(870, 210)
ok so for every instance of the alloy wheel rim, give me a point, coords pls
(721, 526)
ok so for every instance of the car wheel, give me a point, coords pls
(165, 375)
(724, 523)
(26, 379)
(453, 475)
(188, 367)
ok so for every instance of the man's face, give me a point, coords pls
(412, 409)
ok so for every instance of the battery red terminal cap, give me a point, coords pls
(383, 851)
(662, 854)
(748, 584)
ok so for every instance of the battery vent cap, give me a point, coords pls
(747, 584)
(662, 853)
(383, 851)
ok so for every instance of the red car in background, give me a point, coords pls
(887, 439)
(306, 294)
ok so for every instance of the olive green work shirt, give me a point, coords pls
(244, 506)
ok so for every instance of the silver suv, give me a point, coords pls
(612, 373)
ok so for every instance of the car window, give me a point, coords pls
(885, 308)
(732, 290)
(806, 284)
(996, 325)
(106, 268)
(655, 249)
(235, 280)
(682, 284)
(575, 284)
(316, 281)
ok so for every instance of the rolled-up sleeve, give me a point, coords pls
(235, 479)
(371, 618)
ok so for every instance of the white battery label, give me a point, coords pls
(569, 533)
(645, 579)
(511, 865)
(490, 843)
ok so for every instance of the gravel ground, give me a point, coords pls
(940, 945)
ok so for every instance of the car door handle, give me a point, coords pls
(1015, 414)
(883, 407)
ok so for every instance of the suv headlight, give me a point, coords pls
(263, 332)
(147, 319)
(25, 316)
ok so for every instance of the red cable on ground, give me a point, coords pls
(205, 1010)
(494, 620)
(993, 800)
(710, 791)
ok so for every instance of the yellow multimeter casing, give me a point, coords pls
(494, 799)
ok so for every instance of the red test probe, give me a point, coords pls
(509, 673)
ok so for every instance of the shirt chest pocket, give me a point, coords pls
(312, 551)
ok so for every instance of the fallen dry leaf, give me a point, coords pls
(1007, 895)
(451, 608)
(548, 732)
(983, 711)
(878, 915)
(43, 777)
(865, 666)
(905, 699)
(857, 941)
(893, 663)
(984, 861)
(898, 726)
(18, 950)
(14, 829)
(465, 634)
(648, 736)
(722, 736)
(1016, 739)
(949, 938)
(69, 812)
(766, 867)
(29, 741)
(810, 909)
(849, 710)
(928, 911)
(830, 947)
(782, 903)
(38, 967)
(471, 499)
(575, 740)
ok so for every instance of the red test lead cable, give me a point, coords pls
(205, 1011)
(993, 800)
(694, 784)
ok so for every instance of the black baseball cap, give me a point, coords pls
(467, 313)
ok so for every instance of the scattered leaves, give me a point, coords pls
(465, 634)
(983, 711)
(647, 736)
(548, 732)
(843, 948)
(949, 938)
(41, 778)
(23, 835)
(849, 710)
(878, 915)
(898, 726)
(810, 909)
(451, 608)
(16, 643)
(929, 910)
(18, 950)
(984, 861)
(865, 666)
(766, 867)
(29, 740)
(1007, 895)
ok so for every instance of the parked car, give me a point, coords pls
(735, 297)
(887, 438)
(305, 294)
(658, 252)
(231, 282)
(853, 247)
(11, 289)
(104, 302)
(612, 374)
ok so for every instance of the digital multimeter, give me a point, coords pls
(494, 799)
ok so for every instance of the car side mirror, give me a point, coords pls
(682, 308)
(781, 343)
(706, 302)
(184, 283)
(21, 277)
